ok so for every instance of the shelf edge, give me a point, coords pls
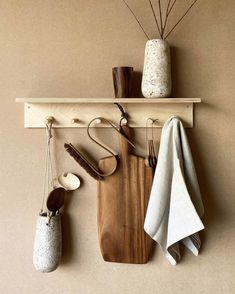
(108, 100)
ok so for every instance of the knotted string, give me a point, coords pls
(48, 175)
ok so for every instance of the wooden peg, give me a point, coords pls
(97, 121)
(75, 121)
(49, 120)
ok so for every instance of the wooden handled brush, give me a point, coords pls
(87, 165)
(82, 160)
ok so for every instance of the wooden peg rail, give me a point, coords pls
(78, 112)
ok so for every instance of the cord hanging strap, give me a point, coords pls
(124, 115)
(49, 122)
(48, 175)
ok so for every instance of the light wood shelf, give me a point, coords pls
(109, 100)
(64, 110)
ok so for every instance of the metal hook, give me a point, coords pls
(150, 159)
(101, 119)
(153, 121)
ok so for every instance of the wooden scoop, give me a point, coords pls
(55, 199)
(68, 181)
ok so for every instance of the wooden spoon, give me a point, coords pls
(55, 199)
(69, 181)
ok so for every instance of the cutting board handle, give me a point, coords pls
(125, 147)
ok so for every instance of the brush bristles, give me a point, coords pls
(82, 162)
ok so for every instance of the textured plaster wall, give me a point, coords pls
(67, 49)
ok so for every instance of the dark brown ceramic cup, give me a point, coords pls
(122, 81)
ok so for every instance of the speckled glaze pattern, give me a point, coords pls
(156, 80)
(47, 243)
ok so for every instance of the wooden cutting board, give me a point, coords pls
(122, 203)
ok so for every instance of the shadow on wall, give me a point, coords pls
(68, 242)
(136, 85)
(213, 212)
(186, 74)
(177, 83)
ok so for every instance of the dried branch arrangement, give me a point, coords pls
(163, 16)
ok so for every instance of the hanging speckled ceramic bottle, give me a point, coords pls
(156, 80)
(47, 249)
(47, 243)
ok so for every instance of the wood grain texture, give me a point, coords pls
(122, 81)
(65, 113)
(122, 204)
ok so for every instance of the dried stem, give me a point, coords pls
(172, 6)
(180, 19)
(160, 13)
(169, 9)
(155, 17)
(168, 6)
(165, 22)
(136, 19)
(167, 16)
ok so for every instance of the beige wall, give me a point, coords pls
(56, 48)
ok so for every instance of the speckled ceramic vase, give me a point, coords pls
(47, 243)
(156, 80)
